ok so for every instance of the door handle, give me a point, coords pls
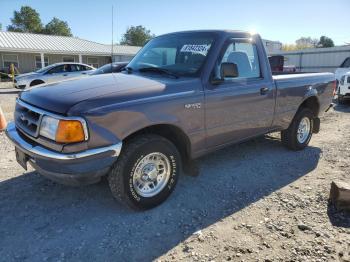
(65, 74)
(264, 90)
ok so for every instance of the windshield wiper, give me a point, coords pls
(158, 70)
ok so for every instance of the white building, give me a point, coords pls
(272, 46)
(29, 52)
(316, 59)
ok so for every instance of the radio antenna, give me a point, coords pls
(112, 38)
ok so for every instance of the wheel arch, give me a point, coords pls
(171, 132)
(312, 103)
(36, 82)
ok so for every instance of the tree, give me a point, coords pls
(325, 42)
(57, 27)
(0, 27)
(137, 36)
(26, 20)
(306, 42)
(289, 47)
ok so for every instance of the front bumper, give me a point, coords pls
(20, 84)
(80, 168)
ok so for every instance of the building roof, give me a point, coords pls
(39, 43)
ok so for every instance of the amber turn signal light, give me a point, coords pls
(70, 131)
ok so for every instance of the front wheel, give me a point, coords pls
(299, 133)
(146, 172)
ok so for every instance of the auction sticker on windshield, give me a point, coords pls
(202, 49)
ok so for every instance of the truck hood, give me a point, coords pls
(96, 91)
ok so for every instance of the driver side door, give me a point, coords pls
(240, 107)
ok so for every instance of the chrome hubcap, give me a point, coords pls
(304, 130)
(151, 174)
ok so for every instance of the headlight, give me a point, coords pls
(63, 131)
(49, 127)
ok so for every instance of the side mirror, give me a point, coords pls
(228, 70)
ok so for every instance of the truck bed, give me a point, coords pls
(293, 89)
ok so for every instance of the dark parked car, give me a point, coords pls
(115, 67)
(182, 96)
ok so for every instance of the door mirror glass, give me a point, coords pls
(228, 70)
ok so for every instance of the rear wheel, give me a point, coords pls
(146, 172)
(299, 133)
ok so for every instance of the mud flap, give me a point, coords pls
(317, 124)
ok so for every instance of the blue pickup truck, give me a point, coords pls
(184, 95)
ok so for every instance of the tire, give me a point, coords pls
(340, 100)
(138, 155)
(36, 82)
(289, 136)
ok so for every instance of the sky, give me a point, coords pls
(283, 21)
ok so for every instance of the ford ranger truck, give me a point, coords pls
(182, 96)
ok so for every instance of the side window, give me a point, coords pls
(56, 70)
(84, 68)
(76, 68)
(245, 56)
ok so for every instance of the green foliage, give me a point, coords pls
(26, 20)
(57, 27)
(325, 42)
(306, 42)
(136, 36)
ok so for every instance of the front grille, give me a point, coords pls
(27, 119)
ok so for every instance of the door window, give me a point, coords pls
(245, 56)
(60, 69)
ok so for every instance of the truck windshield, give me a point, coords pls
(182, 54)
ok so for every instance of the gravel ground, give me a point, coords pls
(255, 201)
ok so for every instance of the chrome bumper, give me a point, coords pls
(41, 152)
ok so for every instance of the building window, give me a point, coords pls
(92, 61)
(38, 61)
(68, 59)
(10, 59)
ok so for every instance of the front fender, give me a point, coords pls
(112, 124)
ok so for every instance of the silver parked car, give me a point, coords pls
(52, 73)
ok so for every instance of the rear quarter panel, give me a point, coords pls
(293, 90)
